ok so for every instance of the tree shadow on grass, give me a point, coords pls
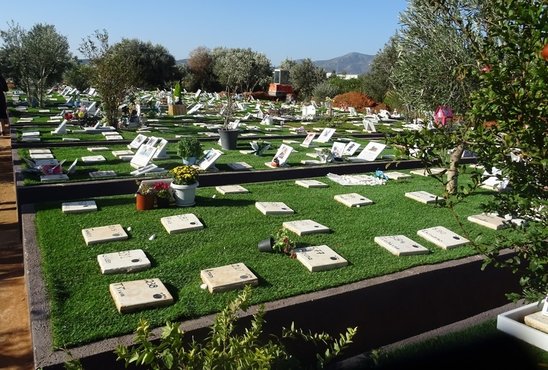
(222, 202)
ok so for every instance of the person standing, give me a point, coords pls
(4, 120)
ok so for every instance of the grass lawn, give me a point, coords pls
(79, 294)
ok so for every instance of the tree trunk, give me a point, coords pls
(453, 171)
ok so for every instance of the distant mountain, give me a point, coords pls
(181, 61)
(351, 63)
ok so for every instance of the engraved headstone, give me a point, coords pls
(305, 227)
(400, 245)
(488, 220)
(350, 148)
(442, 237)
(231, 189)
(423, 197)
(273, 208)
(143, 156)
(102, 234)
(79, 207)
(161, 150)
(353, 200)
(181, 223)
(371, 151)
(137, 142)
(133, 295)
(220, 279)
(319, 258)
(311, 184)
(124, 261)
(307, 143)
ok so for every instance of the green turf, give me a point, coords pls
(79, 295)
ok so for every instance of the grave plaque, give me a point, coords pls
(39, 151)
(325, 135)
(220, 279)
(240, 166)
(311, 184)
(114, 137)
(423, 197)
(231, 189)
(442, 237)
(394, 175)
(424, 172)
(273, 208)
(79, 207)
(353, 200)
(400, 245)
(41, 156)
(98, 148)
(54, 178)
(104, 234)
(209, 159)
(488, 220)
(307, 143)
(120, 153)
(319, 258)
(102, 174)
(282, 155)
(350, 148)
(371, 151)
(131, 296)
(305, 227)
(125, 261)
(137, 142)
(93, 159)
(181, 223)
(143, 156)
(537, 320)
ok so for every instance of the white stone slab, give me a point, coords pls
(320, 258)
(442, 237)
(143, 156)
(102, 174)
(94, 159)
(371, 151)
(209, 159)
(70, 139)
(311, 184)
(124, 261)
(305, 227)
(488, 220)
(98, 148)
(30, 134)
(53, 178)
(273, 208)
(311, 162)
(134, 295)
(424, 171)
(400, 245)
(325, 135)
(353, 200)
(220, 279)
(102, 234)
(114, 137)
(31, 139)
(39, 151)
(46, 162)
(79, 207)
(424, 197)
(119, 153)
(231, 189)
(41, 156)
(181, 223)
(394, 175)
(240, 166)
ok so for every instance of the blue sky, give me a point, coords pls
(280, 29)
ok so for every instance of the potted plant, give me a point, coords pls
(280, 243)
(163, 195)
(189, 149)
(145, 196)
(227, 134)
(185, 182)
(177, 108)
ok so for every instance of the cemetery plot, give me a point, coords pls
(488, 220)
(305, 227)
(130, 296)
(423, 197)
(103, 234)
(320, 258)
(400, 245)
(394, 175)
(273, 208)
(231, 189)
(125, 261)
(181, 223)
(353, 200)
(442, 237)
(425, 172)
(79, 207)
(311, 184)
(221, 279)
(93, 159)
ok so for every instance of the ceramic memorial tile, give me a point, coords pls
(311, 184)
(231, 189)
(240, 166)
(353, 200)
(273, 208)
(394, 175)
(305, 227)
(102, 174)
(424, 197)
(79, 207)
(400, 245)
(442, 237)
(94, 159)
(424, 171)
(102, 234)
(307, 143)
(98, 148)
(124, 261)
(161, 150)
(350, 148)
(181, 223)
(53, 178)
(338, 149)
(488, 220)
(221, 279)
(281, 156)
(320, 258)
(134, 295)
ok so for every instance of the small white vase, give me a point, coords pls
(184, 194)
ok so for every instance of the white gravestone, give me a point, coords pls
(134, 295)
(369, 125)
(104, 234)
(94, 159)
(137, 142)
(273, 208)
(181, 223)
(325, 135)
(424, 197)
(221, 279)
(307, 142)
(488, 220)
(400, 245)
(54, 178)
(231, 189)
(353, 200)
(41, 156)
(351, 148)
(143, 156)
(209, 159)
(337, 149)
(305, 227)
(319, 258)
(120, 153)
(442, 237)
(371, 151)
(61, 129)
(102, 174)
(39, 151)
(311, 184)
(281, 155)
(240, 166)
(98, 148)
(114, 137)
(124, 261)
(79, 207)
(424, 172)
(395, 175)
(161, 149)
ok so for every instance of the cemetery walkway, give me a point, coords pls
(15, 340)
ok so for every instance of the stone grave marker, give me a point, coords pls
(350, 148)
(311, 184)
(305, 227)
(39, 151)
(424, 197)
(395, 175)
(103, 234)
(134, 295)
(94, 159)
(488, 220)
(72, 167)
(353, 200)
(371, 151)
(79, 207)
(273, 208)
(102, 174)
(61, 129)
(442, 237)
(325, 135)
(41, 156)
(143, 156)
(122, 153)
(181, 223)
(337, 149)
(221, 279)
(53, 178)
(98, 148)
(240, 166)
(400, 245)
(137, 142)
(307, 142)
(114, 137)
(320, 258)
(424, 171)
(281, 156)
(231, 189)
(124, 261)
(208, 160)
(161, 150)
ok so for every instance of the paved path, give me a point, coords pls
(15, 341)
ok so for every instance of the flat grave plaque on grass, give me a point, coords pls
(98, 148)
(102, 174)
(79, 207)
(221, 279)
(320, 258)
(42, 156)
(442, 237)
(30, 134)
(124, 261)
(46, 162)
(181, 223)
(94, 159)
(424, 171)
(305, 227)
(39, 151)
(54, 178)
(273, 208)
(114, 137)
(311, 161)
(394, 175)
(311, 184)
(231, 189)
(423, 197)
(31, 139)
(488, 220)
(70, 139)
(353, 200)
(103, 234)
(240, 166)
(119, 153)
(400, 245)
(131, 296)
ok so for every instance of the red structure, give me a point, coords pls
(443, 115)
(281, 87)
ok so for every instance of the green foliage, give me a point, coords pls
(78, 75)
(283, 242)
(304, 76)
(240, 70)
(200, 68)
(376, 83)
(177, 94)
(326, 89)
(189, 147)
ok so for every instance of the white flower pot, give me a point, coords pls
(184, 194)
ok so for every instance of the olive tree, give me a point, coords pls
(304, 76)
(200, 68)
(241, 69)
